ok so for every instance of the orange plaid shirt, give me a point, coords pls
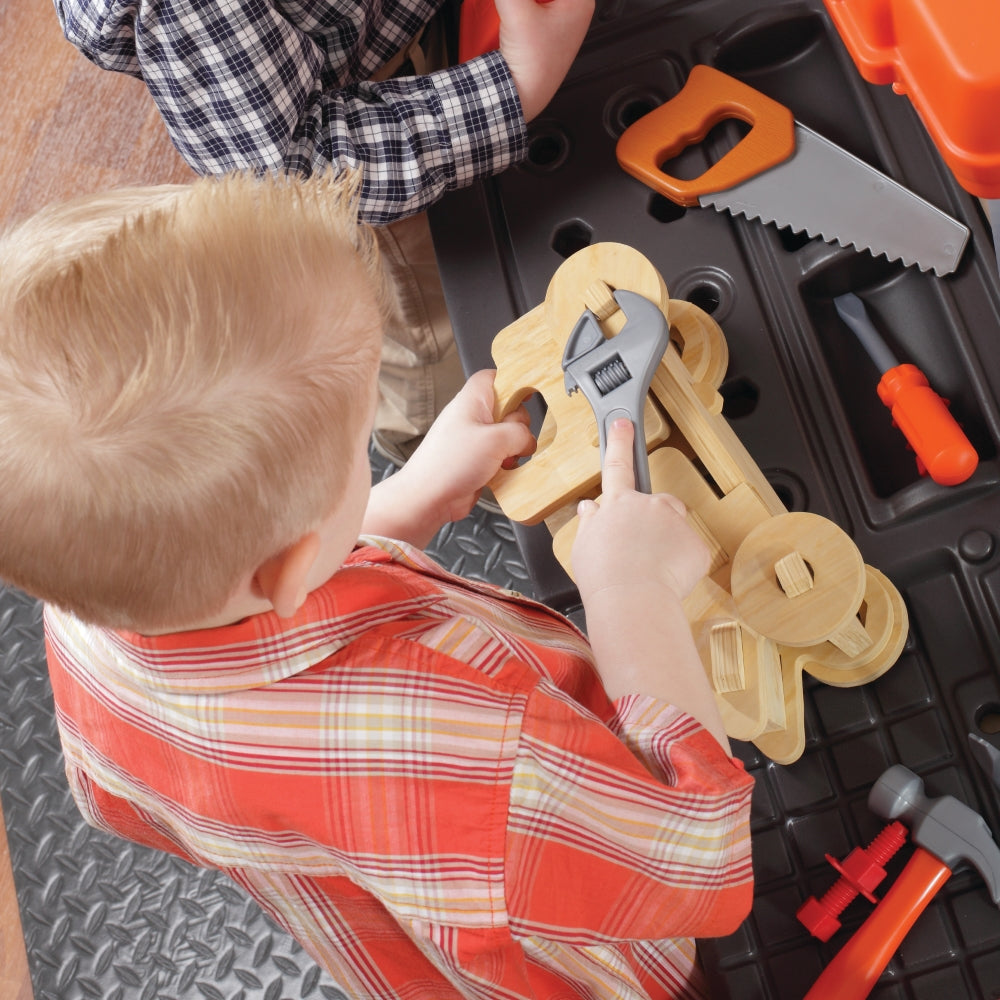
(422, 780)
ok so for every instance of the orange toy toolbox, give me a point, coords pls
(478, 29)
(945, 56)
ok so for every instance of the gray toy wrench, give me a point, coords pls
(615, 373)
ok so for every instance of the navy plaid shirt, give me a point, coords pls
(282, 85)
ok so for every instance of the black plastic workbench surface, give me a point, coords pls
(800, 393)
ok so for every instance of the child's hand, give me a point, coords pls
(465, 448)
(636, 558)
(634, 540)
(462, 452)
(540, 40)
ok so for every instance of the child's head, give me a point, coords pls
(186, 376)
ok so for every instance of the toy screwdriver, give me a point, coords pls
(943, 451)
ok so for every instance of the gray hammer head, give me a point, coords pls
(945, 827)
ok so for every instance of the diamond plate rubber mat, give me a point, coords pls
(104, 919)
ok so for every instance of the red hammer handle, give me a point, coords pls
(855, 969)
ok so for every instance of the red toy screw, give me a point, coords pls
(860, 872)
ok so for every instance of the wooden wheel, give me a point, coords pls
(799, 579)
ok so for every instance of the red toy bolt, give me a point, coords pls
(860, 872)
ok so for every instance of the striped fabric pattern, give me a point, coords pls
(286, 85)
(422, 780)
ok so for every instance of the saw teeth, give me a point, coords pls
(756, 215)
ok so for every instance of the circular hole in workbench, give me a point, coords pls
(633, 110)
(706, 297)
(627, 106)
(711, 289)
(988, 719)
(790, 489)
(739, 397)
(664, 210)
(548, 148)
(570, 237)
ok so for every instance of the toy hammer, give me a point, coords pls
(946, 833)
(615, 374)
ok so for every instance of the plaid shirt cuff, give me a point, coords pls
(441, 132)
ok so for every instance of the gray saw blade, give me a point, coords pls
(987, 757)
(822, 190)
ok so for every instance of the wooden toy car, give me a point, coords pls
(787, 593)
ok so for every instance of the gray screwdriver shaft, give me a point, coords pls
(853, 312)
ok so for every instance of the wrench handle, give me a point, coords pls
(855, 969)
(640, 460)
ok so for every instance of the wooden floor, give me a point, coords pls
(66, 128)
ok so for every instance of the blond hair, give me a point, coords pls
(186, 373)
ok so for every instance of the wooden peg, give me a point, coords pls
(853, 639)
(794, 575)
(726, 652)
(600, 300)
(816, 614)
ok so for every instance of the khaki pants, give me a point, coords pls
(420, 369)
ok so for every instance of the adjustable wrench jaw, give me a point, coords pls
(615, 374)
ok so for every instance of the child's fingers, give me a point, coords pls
(516, 440)
(618, 473)
(678, 505)
(478, 389)
(520, 416)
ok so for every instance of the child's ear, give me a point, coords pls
(282, 579)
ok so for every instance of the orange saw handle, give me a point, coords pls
(855, 969)
(707, 98)
(923, 416)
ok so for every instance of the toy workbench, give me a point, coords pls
(799, 391)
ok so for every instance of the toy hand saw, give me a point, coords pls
(783, 172)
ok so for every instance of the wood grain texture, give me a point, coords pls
(66, 128)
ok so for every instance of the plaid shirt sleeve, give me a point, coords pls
(241, 86)
(610, 843)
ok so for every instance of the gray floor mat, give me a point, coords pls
(104, 919)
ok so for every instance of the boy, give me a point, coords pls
(342, 84)
(438, 787)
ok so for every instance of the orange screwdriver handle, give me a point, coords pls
(708, 97)
(854, 970)
(925, 420)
